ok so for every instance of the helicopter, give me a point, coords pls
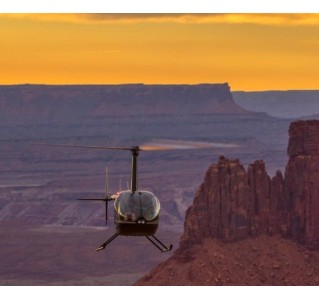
(136, 212)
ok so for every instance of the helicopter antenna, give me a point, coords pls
(120, 183)
(106, 182)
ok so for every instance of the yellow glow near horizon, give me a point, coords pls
(249, 51)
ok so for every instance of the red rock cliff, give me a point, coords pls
(302, 182)
(233, 203)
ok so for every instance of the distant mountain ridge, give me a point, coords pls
(49, 103)
(281, 104)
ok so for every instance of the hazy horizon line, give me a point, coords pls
(161, 84)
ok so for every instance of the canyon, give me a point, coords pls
(39, 185)
(49, 178)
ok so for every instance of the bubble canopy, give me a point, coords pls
(133, 206)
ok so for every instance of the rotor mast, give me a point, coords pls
(135, 152)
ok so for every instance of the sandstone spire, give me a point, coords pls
(233, 203)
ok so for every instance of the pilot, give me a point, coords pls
(129, 207)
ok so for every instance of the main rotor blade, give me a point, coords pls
(83, 146)
(158, 145)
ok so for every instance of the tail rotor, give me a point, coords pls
(106, 199)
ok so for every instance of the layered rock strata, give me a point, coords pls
(233, 203)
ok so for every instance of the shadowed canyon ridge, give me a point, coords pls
(250, 216)
(39, 185)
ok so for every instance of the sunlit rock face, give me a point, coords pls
(233, 203)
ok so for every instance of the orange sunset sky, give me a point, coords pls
(249, 51)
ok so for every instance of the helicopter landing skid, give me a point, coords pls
(158, 244)
(107, 242)
(153, 239)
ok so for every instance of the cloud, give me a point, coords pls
(259, 19)
(262, 19)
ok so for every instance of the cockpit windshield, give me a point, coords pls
(140, 204)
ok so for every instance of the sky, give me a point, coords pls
(249, 51)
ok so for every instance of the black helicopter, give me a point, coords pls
(136, 212)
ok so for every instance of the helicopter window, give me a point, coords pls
(140, 204)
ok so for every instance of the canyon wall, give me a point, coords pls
(233, 203)
(46, 104)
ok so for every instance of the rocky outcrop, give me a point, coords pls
(302, 182)
(256, 211)
(233, 203)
